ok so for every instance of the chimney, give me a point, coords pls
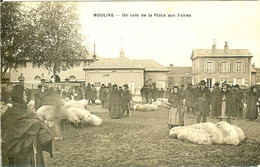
(226, 46)
(171, 66)
(94, 55)
(214, 45)
(122, 53)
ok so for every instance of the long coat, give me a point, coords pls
(229, 103)
(189, 97)
(251, 112)
(38, 99)
(238, 97)
(202, 101)
(114, 104)
(88, 92)
(21, 130)
(215, 93)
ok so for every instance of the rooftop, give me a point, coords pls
(220, 53)
(180, 70)
(151, 65)
(114, 63)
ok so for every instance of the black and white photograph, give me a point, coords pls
(130, 83)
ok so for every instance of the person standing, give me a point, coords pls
(176, 113)
(93, 94)
(189, 101)
(24, 136)
(238, 97)
(143, 92)
(203, 101)
(102, 95)
(38, 97)
(215, 93)
(114, 103)
(224, 95)
(126, 97)
(251, 101)
(88, 93)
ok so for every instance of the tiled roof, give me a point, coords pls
(180, 71)
(114, 63)
(151, 65)
(220, 53)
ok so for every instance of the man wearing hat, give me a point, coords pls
(215, 92)
(226, 95)
(238, 97)
(189, 100)
(203, 101)
(126, 97)
(38, 98)
(144, 94)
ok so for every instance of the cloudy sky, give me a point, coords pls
(171, 39)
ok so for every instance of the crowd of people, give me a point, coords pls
(199, 100)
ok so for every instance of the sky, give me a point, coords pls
(170, 40)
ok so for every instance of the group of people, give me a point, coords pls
(150, 93)
(116, 99)
(222, 101)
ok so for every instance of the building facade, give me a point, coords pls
(218, 65)
(179, 76)
(122, 71)
(34, 75)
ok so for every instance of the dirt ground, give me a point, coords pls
(142, 140)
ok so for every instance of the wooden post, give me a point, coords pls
(223, 116)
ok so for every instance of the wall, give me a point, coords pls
(199, 73)
(120, 77)
(157, 77)
(29, 72)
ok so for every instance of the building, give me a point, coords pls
(154, 73)
(34, 76)
(179, 76)
(122, 71)
(255, 75)
(218, 65)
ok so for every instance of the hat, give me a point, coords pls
(216, 84)
(202, 82)
(125, 85)
(190, 85)
(39, 86)
(237, 86)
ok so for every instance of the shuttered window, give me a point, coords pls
(209, 67)
(224, 67)
(239, 66)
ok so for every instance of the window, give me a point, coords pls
(209, 82)
(37, 78)
(209, 66)
(239, 66)
(224, 67)
(72, 78)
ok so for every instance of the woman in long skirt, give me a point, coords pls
(176, 112)
(115, 109)
(251, 101)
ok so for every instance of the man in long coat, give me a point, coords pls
(126, 97)
(88, 92)
(203, 102)
(238, 97)
(226, 95)
(189, 100)
(215, 93)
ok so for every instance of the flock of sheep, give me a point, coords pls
(202, 133)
